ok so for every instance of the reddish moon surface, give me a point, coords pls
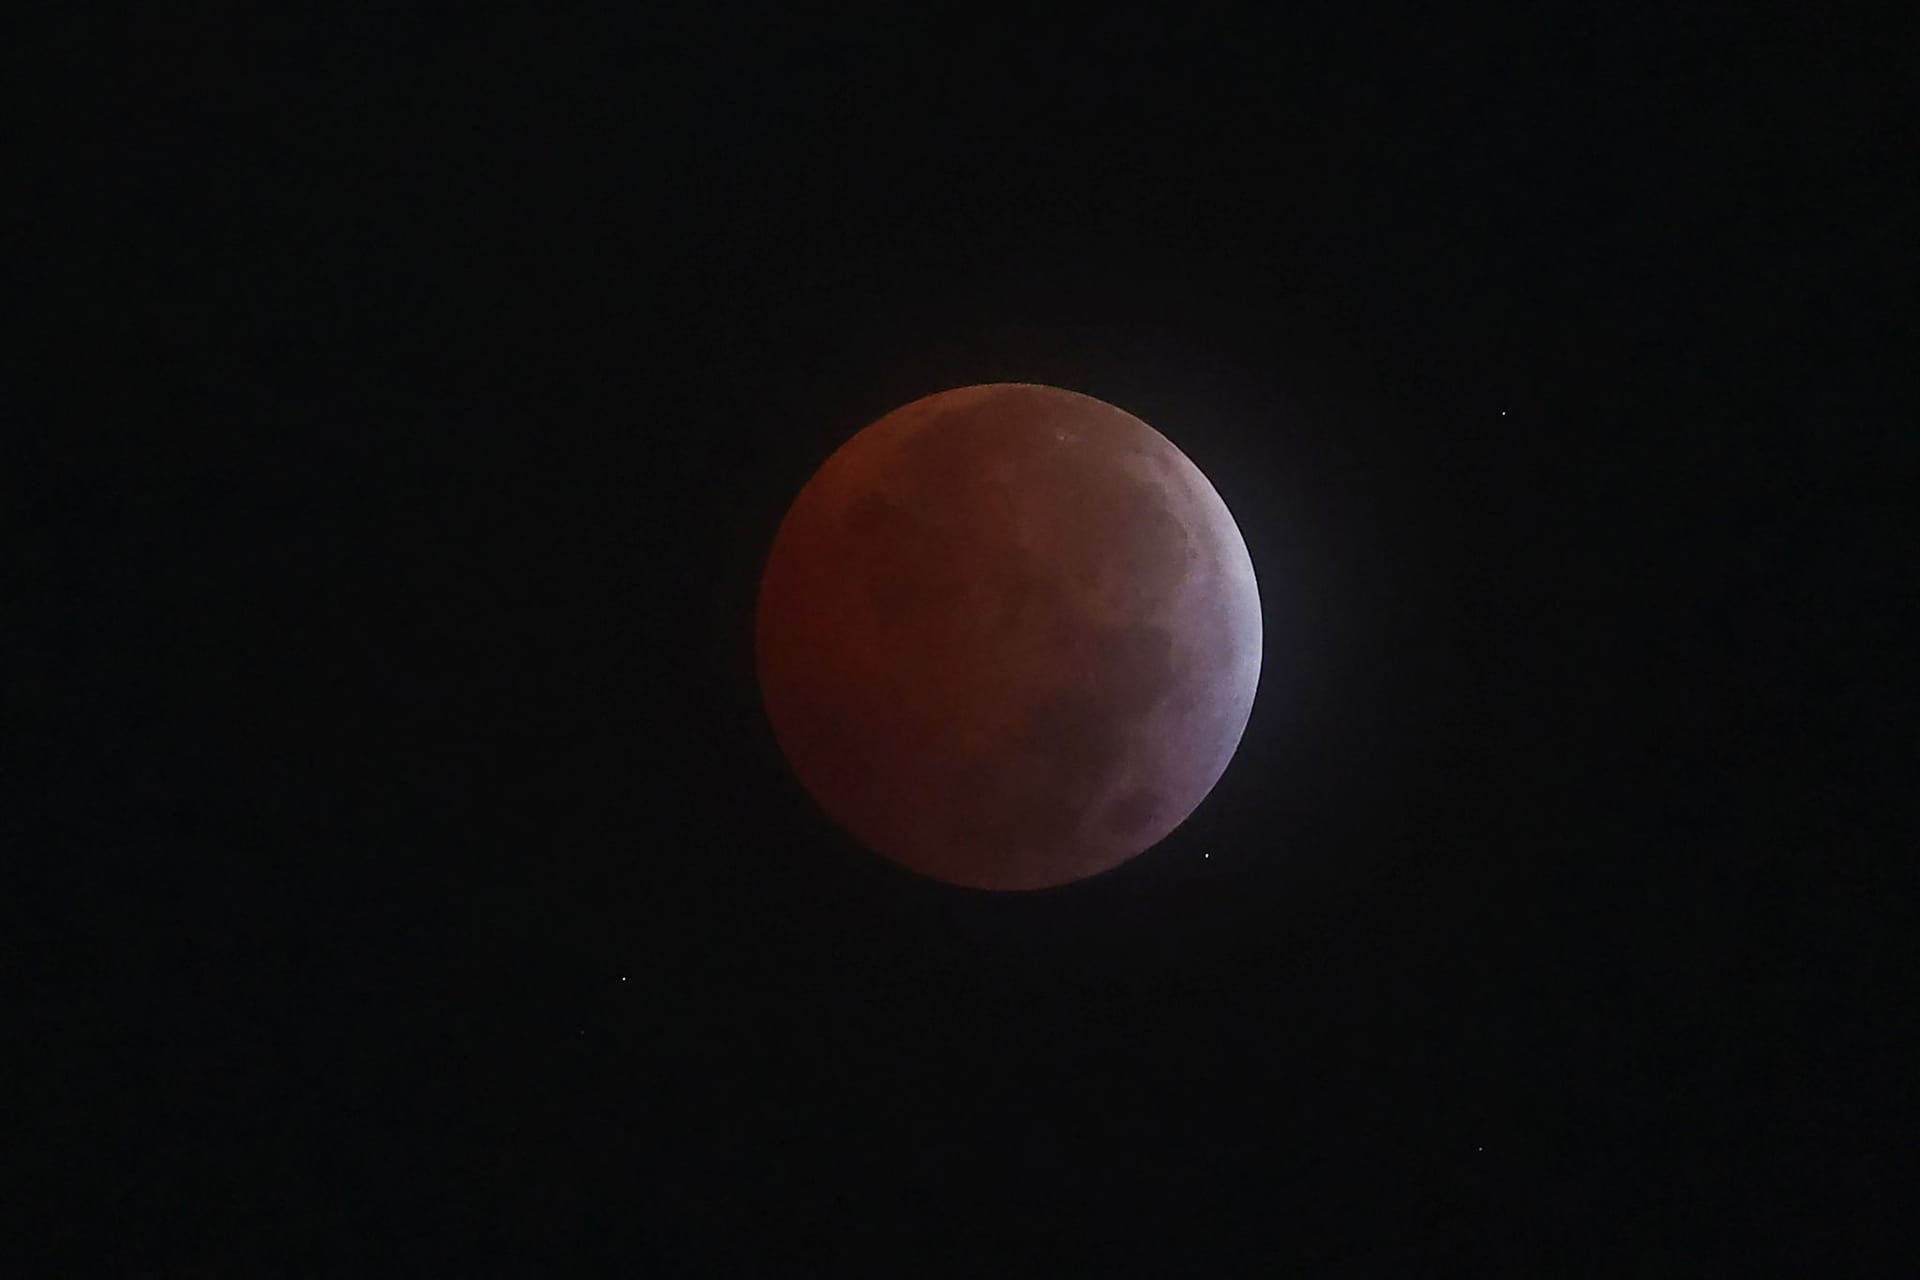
(1008, 636)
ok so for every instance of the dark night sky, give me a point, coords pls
(402, 876)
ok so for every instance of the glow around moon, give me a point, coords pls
(1008, 636)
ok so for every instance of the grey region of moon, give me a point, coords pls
(1008, 636)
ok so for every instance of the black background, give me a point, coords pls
(404, 880)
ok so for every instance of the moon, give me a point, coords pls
(1008, 636)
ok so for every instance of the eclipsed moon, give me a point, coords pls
(1008, 636)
